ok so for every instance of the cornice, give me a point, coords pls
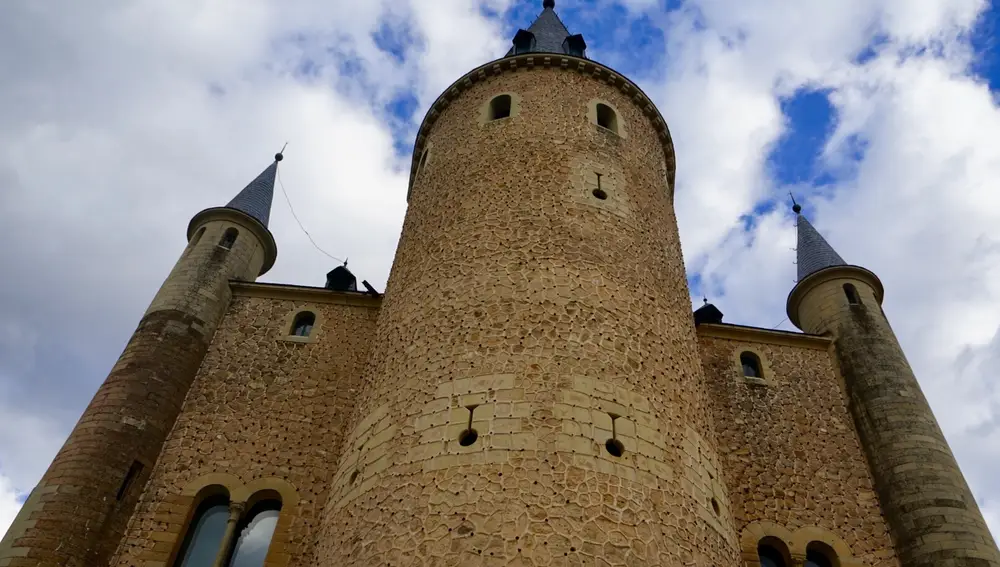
(766, 336)
(544, 60)
(814, 279)
(303, 293)
(246, 221)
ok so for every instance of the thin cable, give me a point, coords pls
(296, 217)
(779, 324)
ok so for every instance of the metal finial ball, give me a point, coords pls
(278, 156)
(549, 4)
(797, 208)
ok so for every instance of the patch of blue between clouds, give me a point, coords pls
(872, 50)
(394, 36)
(795, 159)
(985, 43)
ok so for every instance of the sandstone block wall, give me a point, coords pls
(518, 293)
(933, 515)
(264, 407)
(79, 509)
(790, 453)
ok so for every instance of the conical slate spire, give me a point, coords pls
(548, 35)
(255, 199)
(814, 252)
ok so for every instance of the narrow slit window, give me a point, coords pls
(303, 325)
(607, 118)
(133, 473)
(852, 294)
(751, 365)
(500, 107)
(423, 160)
(256, 530)
(614, 446)
(469, 435)
(204, 534)
(229, 238)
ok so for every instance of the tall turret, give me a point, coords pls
(535, 394)
(77, 513)
(932, 515)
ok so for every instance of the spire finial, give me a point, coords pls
(281, 155)
(550, 4)
(796, 208)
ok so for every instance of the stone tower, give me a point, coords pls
(76, 514)
(534, 393)
(933, 518)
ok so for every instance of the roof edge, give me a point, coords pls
(291, 292)
(761, 335)
(533, 60)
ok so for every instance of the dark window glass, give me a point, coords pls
(751, 365)
(204, 537)
(500, 107)
(303, 325)
(770, 557)
(229, 238)
(852, 294)
(255, 533)
(817, 559)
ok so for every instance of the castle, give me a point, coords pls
(532, 389)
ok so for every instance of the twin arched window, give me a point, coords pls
(223, 531)
(772, 552)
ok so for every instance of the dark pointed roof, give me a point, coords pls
(255, 199)
(814, 253)
(550, 34)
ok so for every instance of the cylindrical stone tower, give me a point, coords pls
(535, 395)
(932, 515)
(77, 512)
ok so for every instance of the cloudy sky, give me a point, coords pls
(121, 119)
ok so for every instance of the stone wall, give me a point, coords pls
(791, 457)
(267, 410)
(521, 297)
(78, 510)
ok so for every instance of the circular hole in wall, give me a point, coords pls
(715, 506)
(600, 194)
(354, 476)
(468, 437)
(614, 447)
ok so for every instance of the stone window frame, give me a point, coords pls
(289, 320)
(242, 498)
(619, 117)
(484, 109)
(797, 543)
(767, 378)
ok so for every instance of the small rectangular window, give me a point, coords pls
(133, 473)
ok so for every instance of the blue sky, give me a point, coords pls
(118, 123)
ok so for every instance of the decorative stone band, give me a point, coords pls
(812, 280)
(243, 220)
(544, 60)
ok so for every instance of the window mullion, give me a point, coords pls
(235, 513)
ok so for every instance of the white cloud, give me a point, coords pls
(9, 504)
(119, 121)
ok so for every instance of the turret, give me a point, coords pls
(534, 394)
(932, 514)
(77, 512)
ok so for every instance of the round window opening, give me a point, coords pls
(468, 437)
(600, 194)
(614, 447)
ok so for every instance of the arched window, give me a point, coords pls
(819, 554)
(205, 533)
(255, 530)
(197, 237)
(500, 107)
(607, 118)
(423, 160)
(303, 324)
(773, 552)
(229, 238)
(852, 294)
(751, 365)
